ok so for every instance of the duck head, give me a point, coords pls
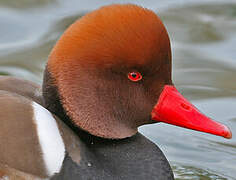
(110, 73)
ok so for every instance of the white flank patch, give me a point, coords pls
(50, 140)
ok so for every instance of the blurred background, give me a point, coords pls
(203, 38)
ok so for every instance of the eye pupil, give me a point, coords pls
(134, 75)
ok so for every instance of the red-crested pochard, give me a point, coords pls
(108, 74)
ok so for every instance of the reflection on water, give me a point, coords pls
(204, 68)
(188, 172)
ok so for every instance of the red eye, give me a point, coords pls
(135, 76)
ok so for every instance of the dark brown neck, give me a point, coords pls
(51, 101)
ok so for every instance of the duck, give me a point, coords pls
(107, 75)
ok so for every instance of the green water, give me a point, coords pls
(203, 37)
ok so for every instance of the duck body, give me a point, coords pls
(27, 139)
(86, 156)
(108, 74)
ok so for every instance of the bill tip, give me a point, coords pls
(227, 133)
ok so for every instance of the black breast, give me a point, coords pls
(131, 158)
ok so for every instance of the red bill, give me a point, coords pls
(173, 108)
